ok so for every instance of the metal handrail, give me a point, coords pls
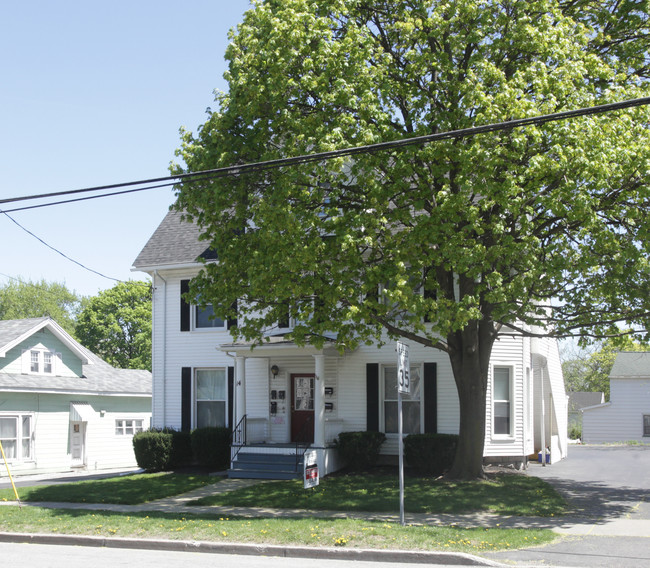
(238, 438)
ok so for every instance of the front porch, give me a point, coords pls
(285, 403)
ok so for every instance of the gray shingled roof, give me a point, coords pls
(631, 364)
(578, 400)
(98, 376)
(173, 242)
(11, 329)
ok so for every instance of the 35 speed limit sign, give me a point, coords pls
(403, 378)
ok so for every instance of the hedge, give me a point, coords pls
(431, 454)
(359, 450)
(211, 447)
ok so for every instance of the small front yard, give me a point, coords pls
(511, 494)
(505, 494)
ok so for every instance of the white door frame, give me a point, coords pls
(78, 443)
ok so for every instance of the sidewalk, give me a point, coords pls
(567, 526)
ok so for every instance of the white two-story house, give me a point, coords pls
(278, 394)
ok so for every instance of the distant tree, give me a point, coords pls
(116, 325)
(589, 371)
(26, 299)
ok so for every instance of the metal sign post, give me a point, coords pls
(403, 387)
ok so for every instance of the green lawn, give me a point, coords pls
(506, 494)
(125, 490)
(290, 531)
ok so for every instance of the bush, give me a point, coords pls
(211, 447)
(153, 450)
(359, 449)
(181, 448)
(431, 454)
(575, 432)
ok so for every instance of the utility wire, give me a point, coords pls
(316, 157)
(324, 156)
(58, 251)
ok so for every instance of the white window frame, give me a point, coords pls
(122, 429)
(511, 407)
(195, 397)
(19, 417)
(646, 425)
(37, 356)
(382, 398)
(195, 309)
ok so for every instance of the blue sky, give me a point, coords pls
(92, 94)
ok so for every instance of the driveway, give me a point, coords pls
(602, 482)
(608, 489)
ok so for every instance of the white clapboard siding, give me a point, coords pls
(621, 419)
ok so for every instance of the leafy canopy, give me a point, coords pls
(116, 325)
(27, 299)
(492, 227)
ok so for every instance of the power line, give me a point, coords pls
(58, 251)
(255, 167)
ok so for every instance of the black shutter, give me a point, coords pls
(233, 322)
(185, 307)
(186, 399)
(372, 397)
(430, 399)
(231, 398)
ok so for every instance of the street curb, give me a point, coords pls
(356, 554)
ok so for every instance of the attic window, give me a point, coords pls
(40, 362)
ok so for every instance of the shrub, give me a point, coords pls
(153, 449)
(359, 449)
(181, 448)
(431, 454)
(211, 447)
(575, 432)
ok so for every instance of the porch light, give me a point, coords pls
(275, 370)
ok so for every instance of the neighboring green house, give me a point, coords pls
(61, 406)
(578, 401)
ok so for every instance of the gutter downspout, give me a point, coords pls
(164, 346)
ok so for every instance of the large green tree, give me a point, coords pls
(541, 230)
(26, 299)
(116, 325)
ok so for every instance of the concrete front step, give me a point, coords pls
(254, 465)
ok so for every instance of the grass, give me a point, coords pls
(125, 490)
(280, 531)
(506, 494)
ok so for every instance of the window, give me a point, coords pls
(128, 427)
(40, 361)
(501, 397)
(205, 318)
(411, 407)
(646, 425)
(211, 394)
(16, 436)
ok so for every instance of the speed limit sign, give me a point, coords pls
(403, 378)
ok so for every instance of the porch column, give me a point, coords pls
(240, 389)
(319, 402)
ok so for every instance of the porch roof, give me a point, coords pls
(276, 345)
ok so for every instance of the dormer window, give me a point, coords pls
(39, 362)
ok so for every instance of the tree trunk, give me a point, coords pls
(470, 357)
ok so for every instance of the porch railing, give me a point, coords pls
(238, 440)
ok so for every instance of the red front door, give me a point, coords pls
(302, 408)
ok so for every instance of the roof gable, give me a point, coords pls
(631, 364)
(15, 332)
(174, 242)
